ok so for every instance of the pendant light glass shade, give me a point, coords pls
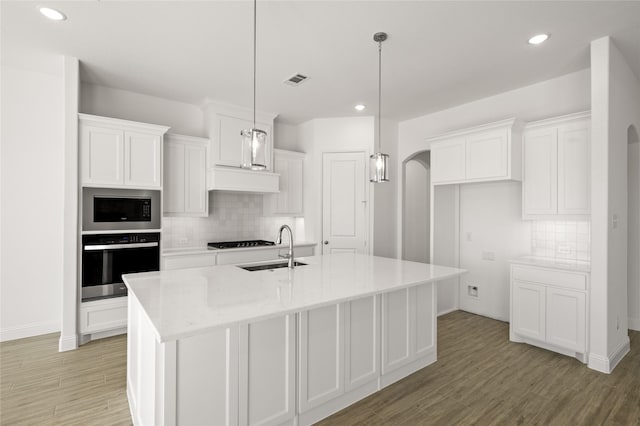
(254, 142)
(379, 167)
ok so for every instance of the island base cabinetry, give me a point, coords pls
(291, 369)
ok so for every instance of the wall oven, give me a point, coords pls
(105, 209)
(106, 257)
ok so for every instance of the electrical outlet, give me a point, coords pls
(614, 221)
(564, 249)
(469, 237)
(472, 291)
(488, 255)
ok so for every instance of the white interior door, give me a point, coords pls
(345, 207)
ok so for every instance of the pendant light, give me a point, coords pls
(379, 162)
(254, 140)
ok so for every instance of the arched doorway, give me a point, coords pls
(416, 208)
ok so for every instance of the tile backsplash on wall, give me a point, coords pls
(232, 216)
(561, 239)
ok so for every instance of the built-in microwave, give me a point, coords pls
(105, 209)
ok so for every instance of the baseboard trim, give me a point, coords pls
(28, 330)
(634, 324)
(447, 311)
(68, 343)
(609, 363)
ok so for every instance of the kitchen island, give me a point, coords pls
(225, 346)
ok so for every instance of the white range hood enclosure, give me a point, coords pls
(220, 178)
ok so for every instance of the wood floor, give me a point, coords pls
(480, 378)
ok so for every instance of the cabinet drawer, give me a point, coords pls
(103, 315)
(188, 261)
(565, 279)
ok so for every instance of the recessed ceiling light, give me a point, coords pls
(360, 107)
(54, 15)
(537, 39)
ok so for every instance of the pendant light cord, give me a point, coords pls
(255, 4)
(379, 92)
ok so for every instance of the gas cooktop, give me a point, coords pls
(239, 244)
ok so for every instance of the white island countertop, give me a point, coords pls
(187, 302)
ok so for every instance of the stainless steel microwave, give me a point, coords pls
(105, 209)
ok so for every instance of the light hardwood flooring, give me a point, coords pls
(480, 378)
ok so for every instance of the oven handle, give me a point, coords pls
(120, 246)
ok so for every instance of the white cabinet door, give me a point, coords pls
(487, 155)
(267, 371)
(103, 315)
(102, 155)
(228, 149)
(448, 160)
(566, 319)
(574, 179)
(528, 310)
(362, 341)
(196, 180)
(174, 177)
(206, 379)
(321, 356)
(142, 154)
(540, 172)
(425, 324)
(397, 329)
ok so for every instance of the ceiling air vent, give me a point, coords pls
(295, 80)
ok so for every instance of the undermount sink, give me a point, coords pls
(268, 266)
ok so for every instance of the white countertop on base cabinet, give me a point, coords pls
(181, 303)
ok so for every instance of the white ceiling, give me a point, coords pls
(439, 54)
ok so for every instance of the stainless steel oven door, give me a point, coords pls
(103, 264)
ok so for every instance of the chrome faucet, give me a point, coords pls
(289, 256)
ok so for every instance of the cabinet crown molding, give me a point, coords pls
(121, 124)
(563, 119)
(512, 123)
(185, 138)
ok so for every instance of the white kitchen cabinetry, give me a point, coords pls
(225, 122)
(362, 342)
(549, 309)
(267, 371)
(484, 153)
(289, 201)
(120, 153)
(185, 176)
(188, 260)
(408, 330)
(103, 315)
(557, 180)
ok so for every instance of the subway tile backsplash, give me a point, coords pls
(232, 216)
(561, 239)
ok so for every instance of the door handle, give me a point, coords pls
(326, 242)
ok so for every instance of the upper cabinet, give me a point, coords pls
(289, 201)
(225, 122)
(557, 180)
(120, 153)
(484, 153)
(185, 176)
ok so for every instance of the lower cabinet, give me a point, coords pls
(408, 327)
(293, 369)
(103, 315)
(549, 309)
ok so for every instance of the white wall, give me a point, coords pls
(183, 118)
(417, 209)
(633, 244)
(385, 196)
(615, 106)
(287, 136)
(328, 135)
(491, 226)
(562, 95)
(32, 151)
